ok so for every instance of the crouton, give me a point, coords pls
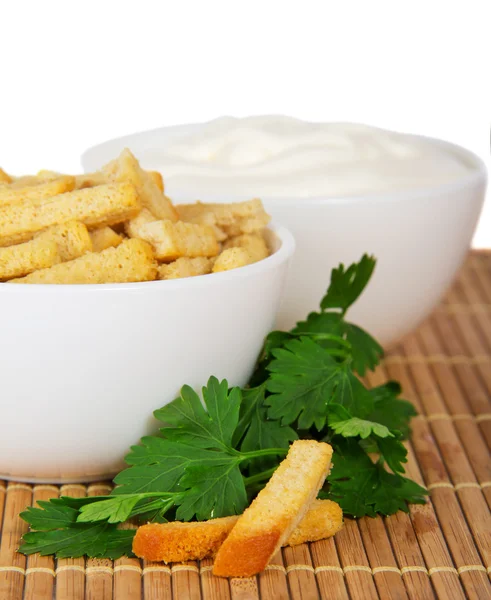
(126, 168)
(276, 511)
(35, 190)
(254, 243)
(232, 258)
(95, 207)
(71, 238)
(232, 218)
(185, 267)
(132, 260)
(4, 177)
(22, 259)
(176, 541)
(105, 237)
(171, 241)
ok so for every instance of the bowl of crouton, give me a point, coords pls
(112, 298)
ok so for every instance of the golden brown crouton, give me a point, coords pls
(232, 258)
(132, 260)
(194, 213)
(185, 267)
(176, 541)
(4, 177)
(157, 178)
(233, 218)
(323, 519)
(276, 511)
(174, 240)
(99, 178)
(126, 168)
(105, 237)
(35, 190)
(254, 243)
(95, 207)
(88, 180)
(72, 239)
(22, 259)
(132, 227)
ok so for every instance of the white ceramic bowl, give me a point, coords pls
(84, 366)
(420, 238)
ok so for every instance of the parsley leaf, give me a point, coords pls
(210, 428)
(352, 394)
(347, 285)
(262, 432)
(161, 469)
(49, 515)
(324, 322)
(212, 491)
(365, 351)
(305, 379)
(389, 410)
(99, 540)
(394, 453)
(117, 509)
(302, 380)
(364, 488)
(342, 423)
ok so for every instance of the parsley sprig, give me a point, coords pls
(211, 456)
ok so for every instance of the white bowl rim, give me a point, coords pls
(477, 176)
(281, 255)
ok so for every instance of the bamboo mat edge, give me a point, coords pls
(438, 550)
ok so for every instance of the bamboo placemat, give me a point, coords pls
(438, 550)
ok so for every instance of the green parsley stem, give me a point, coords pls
(266, 452)
(325, 336)
(259, 476)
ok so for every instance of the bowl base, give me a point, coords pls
(60, 480)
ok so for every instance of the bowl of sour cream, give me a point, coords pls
(343, 189)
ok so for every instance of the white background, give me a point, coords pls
(75, 73)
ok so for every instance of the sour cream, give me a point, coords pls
(277, 156)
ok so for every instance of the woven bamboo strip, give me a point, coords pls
(352, 553)
(449, 534)
(470, 289)
(13, 528)
(39, 581)
(471, 308)
(472, 338)
(382, 561)
(70, 572)
(273, 584)
(480, 260)
(243, 589)
(484, 280)
(156, 581)
(185, 580)
(471, 383)
(435, 548)
(467, 430)
(127, 578)
(422, 521)
(409, 557)
(99, 571)
(300, 572)
(471, 498)
(212, 587)
(328, 570)
(473, 285)
(3, 491)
